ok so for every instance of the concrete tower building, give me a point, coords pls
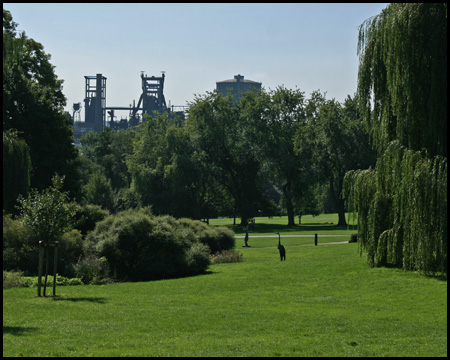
(237, 86)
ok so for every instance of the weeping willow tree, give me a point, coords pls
(402, 84)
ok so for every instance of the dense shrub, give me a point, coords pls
(92, 270)
(70, 249)
(20, 250)
(12, 279)
(197, 257)
(216, 238)
(225, 238)
(87, 216)
(353, 238)
(16, 279)
(139, 246)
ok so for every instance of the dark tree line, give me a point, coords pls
(33, 108)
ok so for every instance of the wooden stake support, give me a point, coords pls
(44, 258)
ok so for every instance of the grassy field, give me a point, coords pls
(322, 301)
(323, 224)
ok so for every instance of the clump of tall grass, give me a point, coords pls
(227, 256)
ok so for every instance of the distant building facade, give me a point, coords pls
(237, 86)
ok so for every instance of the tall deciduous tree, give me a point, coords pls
(340, 144)
(33, 104)
(402, 81)
(16, 169)
(274, 118)
(108, 150)
(167, 172)
(220, 132)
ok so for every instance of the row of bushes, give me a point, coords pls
(92, 270)
(130, 245)
(20, 248)
(16, 279)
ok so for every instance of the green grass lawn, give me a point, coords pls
(322, 301)
(323, 224)
(288, 241)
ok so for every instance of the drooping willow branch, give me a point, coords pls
(402, 210)
(402, 85)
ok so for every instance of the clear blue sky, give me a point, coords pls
(305, 46)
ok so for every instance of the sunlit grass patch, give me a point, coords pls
(322, 301)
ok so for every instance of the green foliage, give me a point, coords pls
(16, 279)
(98, 191)
(87, 216)
(227, 256)
(16, 169)
(139, 246)
(33, 104)
(197, 258)
(71, 247)
(221, 134)
(402, 204)
(167, 173)
(20, 249)
(274, 118)
(337, 142)
(48, 213)
(12, 279)
(216, 238)
(402, 79)
(92, 270)
(108, 151)
(402, 210)
(353, 238)
(46, 216)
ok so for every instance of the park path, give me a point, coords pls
(274, 247)
(311, 235)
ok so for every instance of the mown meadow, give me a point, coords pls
(323, 301)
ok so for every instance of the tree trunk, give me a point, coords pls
(55, 262)
(289, 205)
(46, 269)
(341, 216)
(41, 264)
(340, 205)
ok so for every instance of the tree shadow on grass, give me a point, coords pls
(18, 330)
(440, 276)
(97, 300)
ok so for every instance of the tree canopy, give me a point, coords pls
(33, 104)
(16, 169)
(402, 79)
(402, 82)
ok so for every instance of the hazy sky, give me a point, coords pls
(308, 46)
